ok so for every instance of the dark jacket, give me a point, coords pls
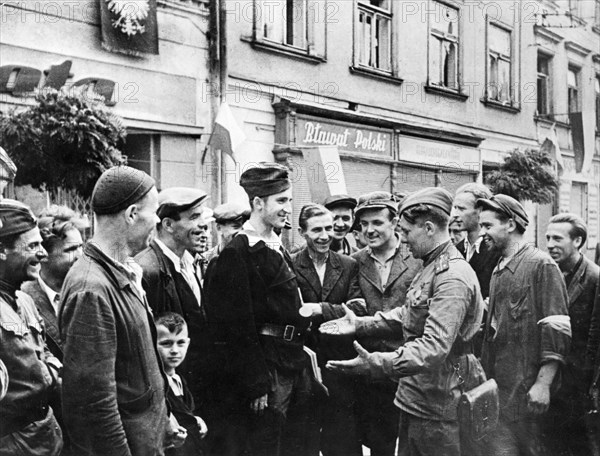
(182, 408)
(582, 290)
(250, 287)
(113, 386)
(483, 263)
(167, 291)
(520, 336)
(46, 310)
(379, 299)
(340, 285)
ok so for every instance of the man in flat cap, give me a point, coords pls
(527, 332)
(342, 208)
(27, 422)
(253, 308)
(385, 271)
(113, 385)
(441, 315)
(229, 218)
(170, 278)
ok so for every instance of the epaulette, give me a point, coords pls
(442, 263)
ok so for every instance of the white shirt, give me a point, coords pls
(320, 268)
(52, 295)
(175, 384)
(470, 249)
(272, 240)
(183, 265)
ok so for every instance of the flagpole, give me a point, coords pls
(223, 80)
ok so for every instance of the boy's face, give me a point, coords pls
(172, 347)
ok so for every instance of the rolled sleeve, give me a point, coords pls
(553, 299)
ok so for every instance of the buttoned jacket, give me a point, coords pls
(113, 386)
(527, 296)
(340, 285)
(380, 298)
(442, 313)
(48, 313)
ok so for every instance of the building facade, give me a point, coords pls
(158, 95)
(411, 94)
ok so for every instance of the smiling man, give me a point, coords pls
(441, 314)
(253, 309)
(385, 271)
(342, 209)
(527, 331)
(566, 420)
(27, 423)
(170, 278)
(326, 280)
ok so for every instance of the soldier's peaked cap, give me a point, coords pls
(432, 196)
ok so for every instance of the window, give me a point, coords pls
(573, 89)
(374, 35)
(597, 90)
(499, 64)
(443, 47)
(543, 85)
(284, 22)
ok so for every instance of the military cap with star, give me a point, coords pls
(432, 196)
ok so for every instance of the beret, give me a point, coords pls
(178, 199)
(340, 200)
(231, 212)
(376, 200)
(15, 218)
(265, 179)
(118, 188)
(433, 196)
(506, 205)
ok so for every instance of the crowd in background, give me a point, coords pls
(143, 341)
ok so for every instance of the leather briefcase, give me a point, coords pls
(478, 410)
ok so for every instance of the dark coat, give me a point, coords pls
(483, 263)
(113, 385)
(167, 291)
(379, 299)
(46, 309)
(251, 286)
(182, 408)
(340, 285)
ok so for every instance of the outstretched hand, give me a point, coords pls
(358, 366)
(345, 326)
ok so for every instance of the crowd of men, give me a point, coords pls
(142, 341)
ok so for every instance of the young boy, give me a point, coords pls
(173, 342)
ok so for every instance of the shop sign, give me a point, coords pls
(346, 136)
(437, 153)
(19, 79)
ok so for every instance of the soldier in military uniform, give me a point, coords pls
(442, 313)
